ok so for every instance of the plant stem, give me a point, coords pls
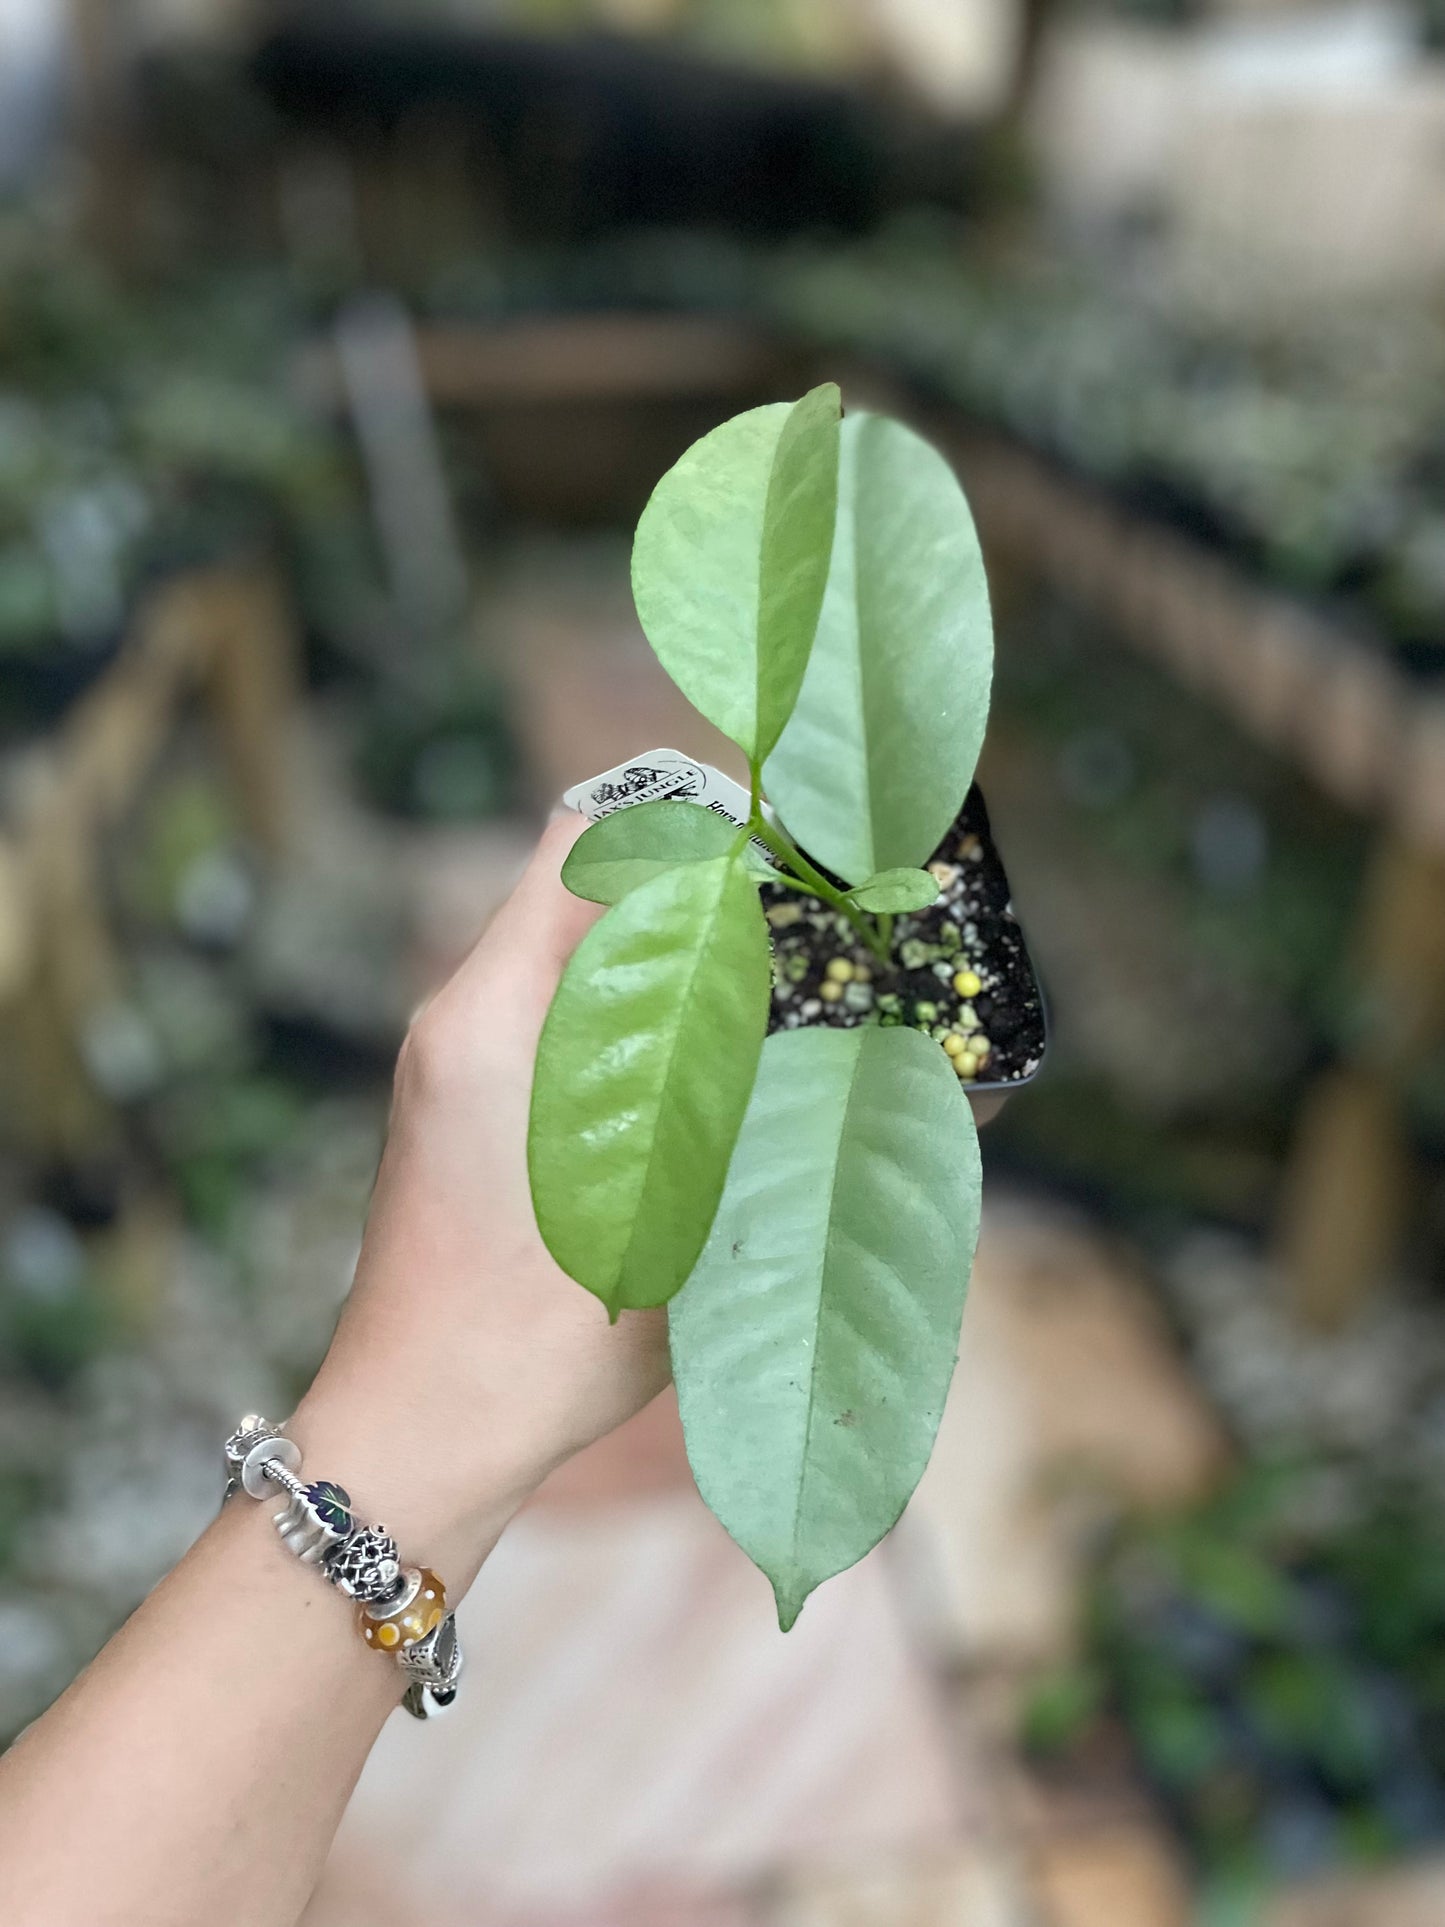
(813, 884)
(786, 882)
(783, 846)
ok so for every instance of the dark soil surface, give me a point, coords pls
(824, 974)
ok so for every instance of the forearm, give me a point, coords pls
(199, 1768)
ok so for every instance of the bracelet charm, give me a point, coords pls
(254, 1444)
(434, 1665)
(366, 1566)
(317, 1518)
(387, 1629)
(402, 1610)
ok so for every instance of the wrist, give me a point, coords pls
(444, 1487)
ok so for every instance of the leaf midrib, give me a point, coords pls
(684, 1007)
(818, 1313)
(758, 644)
(862, 654)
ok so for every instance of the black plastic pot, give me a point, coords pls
(971, 929)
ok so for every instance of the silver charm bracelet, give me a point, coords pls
(401, 1610)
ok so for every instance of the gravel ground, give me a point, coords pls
(126, 1455)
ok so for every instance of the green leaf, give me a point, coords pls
(813, 1345)
(633, 845)
(880, 750)
(643, 1073)
(892, 891)
(730, 562)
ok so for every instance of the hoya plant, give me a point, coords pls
(806, 1202)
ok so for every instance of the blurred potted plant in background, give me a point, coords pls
(1272, 1659)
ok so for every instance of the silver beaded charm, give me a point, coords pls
(252, 1433)
(393, 1604)
(366, 1566)
(434, 1665)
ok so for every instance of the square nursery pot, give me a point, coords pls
(960, 966)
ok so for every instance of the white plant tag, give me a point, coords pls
(659, 774)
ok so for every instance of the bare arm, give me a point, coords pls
(198, 1769)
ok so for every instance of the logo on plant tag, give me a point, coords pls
(645, 782)
(662, 775)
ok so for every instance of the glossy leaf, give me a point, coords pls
(634, 845)
(730, 562)
(893, 891)
(881, 746)
(813, 1345)
(643, 1073)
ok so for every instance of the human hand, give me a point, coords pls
(466, 1365)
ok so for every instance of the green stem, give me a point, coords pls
(783, 846)
(785, 882)
(815, 885)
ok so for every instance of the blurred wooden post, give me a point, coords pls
(224, 636)
(253, 694)
(1033, 19)
(1347, 1187)
(43, 1089)
(102, 115)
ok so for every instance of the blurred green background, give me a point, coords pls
(339, 348)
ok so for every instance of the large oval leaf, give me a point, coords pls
(814, 1343)
(880, 749)
(634, 845)
(730, 561)
(643, 1072)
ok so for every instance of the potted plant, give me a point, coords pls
(806, 1201)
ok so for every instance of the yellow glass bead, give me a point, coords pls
(840, 969)
(830, 990)
(425, 1612)
(968, 983)
(954, 1044)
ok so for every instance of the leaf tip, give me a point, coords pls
(609, 1296)
(790, 1602)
